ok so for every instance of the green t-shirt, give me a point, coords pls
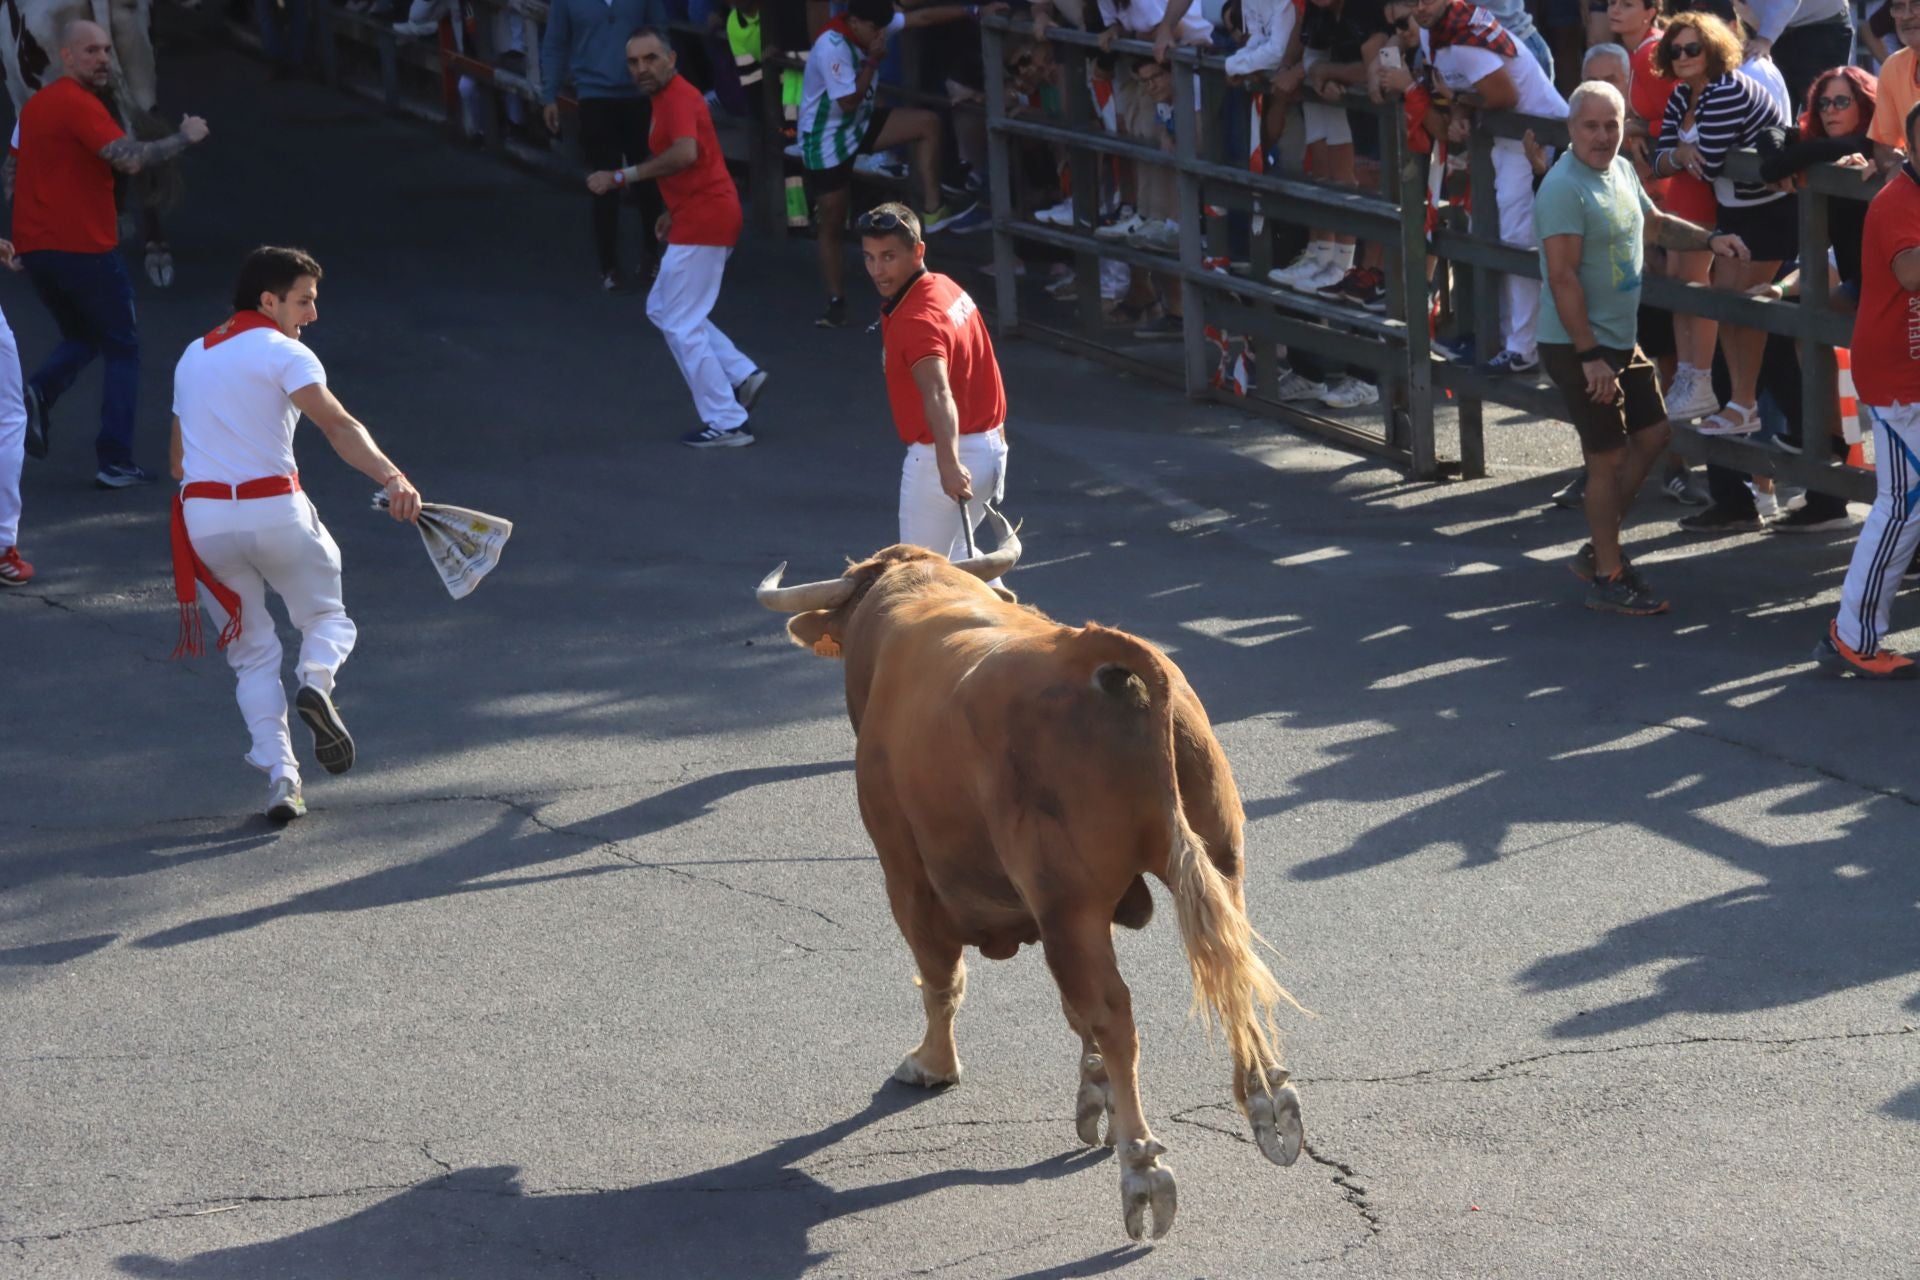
(1607, 210)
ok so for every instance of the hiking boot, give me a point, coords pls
(1624, 593)
(1835, 657)
(283, 801)
(332, 744)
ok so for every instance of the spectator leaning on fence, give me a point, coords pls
(1716, 110)
(1886, 376)
(701, 227)
(1899, 86)
(839, 122)
(586, 43)
(1472, 54)
(1594, 217)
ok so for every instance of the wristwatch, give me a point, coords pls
(1591, 353)
(619, 177)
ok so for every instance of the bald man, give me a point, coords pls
(67, 233)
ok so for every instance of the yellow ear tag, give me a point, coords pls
(826, 647)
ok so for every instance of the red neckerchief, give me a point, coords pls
(240, 322)
(1465, 24)
(188, 568)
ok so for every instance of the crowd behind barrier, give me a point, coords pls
(1439, 255)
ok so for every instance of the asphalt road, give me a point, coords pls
(1609, 925)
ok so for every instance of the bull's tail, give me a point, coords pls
(1232, 985)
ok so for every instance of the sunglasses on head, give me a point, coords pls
(884, 223)
(1832, 104)
(1693, 50)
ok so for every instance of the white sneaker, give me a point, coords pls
(1114, 279)
(1330, 273)
(1127, 224)
(283, 800)
(1162, 235)
(1691, 395)
(1295, 387)
(1059, 215)
(1307, 263)
(1766, 504)
(1350, 393)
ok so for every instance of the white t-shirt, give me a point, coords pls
(1768, 77)
(1460, 67)
(1140, 17)
(233, 402)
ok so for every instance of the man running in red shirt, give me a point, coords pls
(67, 232)
(943, 385)
(700, 228)
(1886, 377)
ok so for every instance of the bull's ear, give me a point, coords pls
(813, 631)
(1006, 595)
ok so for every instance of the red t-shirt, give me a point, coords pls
(63, 190)
(935, 317)
(702, 198)
(1886, 328)
(1650, 91)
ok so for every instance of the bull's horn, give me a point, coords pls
(1001, 559)
(830, 594)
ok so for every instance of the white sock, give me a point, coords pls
(1342, 256)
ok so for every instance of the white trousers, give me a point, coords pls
(682, 297)
(928, 517)
(13, 436)
(1513, 192)
(1891, 533)
(252, 544)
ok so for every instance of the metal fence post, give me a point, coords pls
(999, 178)
(1193, 303)
(1819, 381)
(1411, 303)
(1484, 281)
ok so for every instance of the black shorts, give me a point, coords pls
(1655, 327)
(825, 182)
(1771, 230)
(1636, 406)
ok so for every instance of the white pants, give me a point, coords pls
(13, 436)
(252, 544)
(1891, 533)
(1513, 192)
(928, 517)
(683, 295)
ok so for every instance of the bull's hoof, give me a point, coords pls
(1274, 1111)
(911, 1072)
(1146, 1184)
(1094, 1102)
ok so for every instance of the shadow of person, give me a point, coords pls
(749, 1218)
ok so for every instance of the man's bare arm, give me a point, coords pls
(354, 443)
(1681, 236)
(130, 155)
(1906, 270)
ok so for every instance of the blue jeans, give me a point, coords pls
(91, 298)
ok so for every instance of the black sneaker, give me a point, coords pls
(122, 475)
(332, 744)
(715, 438)
(1809, 519)
(1574, 495)
(1511, 362)
(835, 316)
(1626, 593)
(1582, 564)
(1719, 519)
(36, 423)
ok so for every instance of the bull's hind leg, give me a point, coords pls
(943, 985)
(1080, 953)
(1094, 1101)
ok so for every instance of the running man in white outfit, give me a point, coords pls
(700, 228)
(241, 523)
(14, 572)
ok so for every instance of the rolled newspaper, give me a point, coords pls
(463, 544)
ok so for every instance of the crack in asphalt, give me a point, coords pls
(984, 1253)
(1700, 731)
(1345, 1178)
(1495, 1074)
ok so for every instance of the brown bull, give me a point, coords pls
(1019, 778)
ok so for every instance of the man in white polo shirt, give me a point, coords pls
(241, 523)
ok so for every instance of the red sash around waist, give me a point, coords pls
(189, 569)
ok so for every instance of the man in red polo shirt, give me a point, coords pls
(943, 385)
(700, 228)
(67, 232)
(1886, 377)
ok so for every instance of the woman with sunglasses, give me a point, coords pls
(1716, 110)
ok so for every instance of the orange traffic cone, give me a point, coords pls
(1850, 425)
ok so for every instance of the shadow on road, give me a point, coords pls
(751, 1218)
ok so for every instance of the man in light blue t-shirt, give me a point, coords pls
(1593, 219)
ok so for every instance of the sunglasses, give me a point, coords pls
(1687, 50)
(1404, 24)
(884, 223)
(1832, 104)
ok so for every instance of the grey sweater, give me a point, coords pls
(586, 43)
